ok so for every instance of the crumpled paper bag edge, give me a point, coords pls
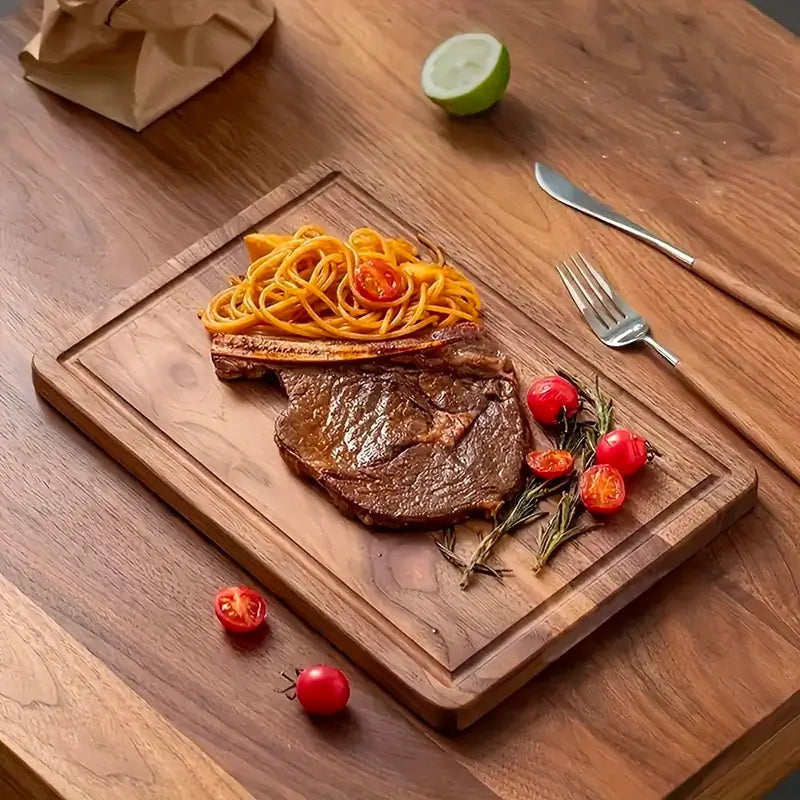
(40, 75)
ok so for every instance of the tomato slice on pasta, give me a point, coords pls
(378, 281)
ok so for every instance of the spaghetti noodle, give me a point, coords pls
(311, 284)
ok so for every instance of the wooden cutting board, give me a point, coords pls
(138, 379)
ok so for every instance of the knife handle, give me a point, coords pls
(780, 452)
(738, 289)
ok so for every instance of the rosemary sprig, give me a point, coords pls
(525, 508)
(601, 408)
(561, 526)
(580, 435)
(447, 545)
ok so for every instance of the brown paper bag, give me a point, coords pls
(134, 60)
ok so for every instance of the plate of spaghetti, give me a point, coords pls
(368, 287)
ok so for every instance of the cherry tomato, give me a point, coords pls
(602, 489)
(550, 464)
(378, 281)
(240, 609)
(322, 690)
(548, 396)
(623, 449)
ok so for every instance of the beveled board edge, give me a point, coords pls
(381, 652)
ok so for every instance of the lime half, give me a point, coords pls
(466, 73)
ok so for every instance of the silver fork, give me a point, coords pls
(616, 324)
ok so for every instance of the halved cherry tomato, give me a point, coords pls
(240, 609)
(549, 396)
(623, 449)
(602, 489)
(322, 690)
(550, 464)
(378, 281)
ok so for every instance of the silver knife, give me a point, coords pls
(557, 186)
(563, 190)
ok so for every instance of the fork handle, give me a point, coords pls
(667, 355)
(778, 452)
(757, 300)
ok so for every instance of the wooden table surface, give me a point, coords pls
(685, 115)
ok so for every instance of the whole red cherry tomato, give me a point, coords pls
(322, 690)
(623, 449)
(550, 464)
(602, 489)
(548, 396)
(378, 281)
(240, 609)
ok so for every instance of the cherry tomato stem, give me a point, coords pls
(322, 690)
(625, 450)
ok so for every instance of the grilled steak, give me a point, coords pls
(416, 432)
(411, 441)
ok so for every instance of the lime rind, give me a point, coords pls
(474, 86)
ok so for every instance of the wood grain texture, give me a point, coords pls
(748, 294)
(137, 377)
(755, 772)
(688, 102)
(781, 452)
(58, 739)
(11, 791)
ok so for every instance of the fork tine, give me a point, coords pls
(592, 298)
(604, 284)
(573, 293)
(605, 298)
(583, 299)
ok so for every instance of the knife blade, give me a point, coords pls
(563, 190)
